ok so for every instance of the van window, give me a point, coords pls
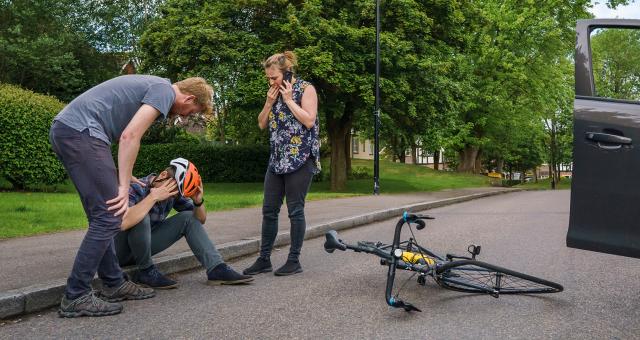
(615, 57)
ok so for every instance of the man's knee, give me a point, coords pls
(187, 219)
(142, 227)
(104, 226)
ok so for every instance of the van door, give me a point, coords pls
(605, 188)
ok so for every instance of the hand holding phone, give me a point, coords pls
(288, 75)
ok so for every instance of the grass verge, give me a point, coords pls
(32, 213)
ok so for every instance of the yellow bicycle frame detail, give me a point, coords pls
(412, 257)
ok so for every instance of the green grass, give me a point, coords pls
(58, 208)
(545, 184)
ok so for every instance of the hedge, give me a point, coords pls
(26, 157)
(215, 163)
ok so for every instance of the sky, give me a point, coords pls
(601, 11)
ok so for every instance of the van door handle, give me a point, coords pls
(600, 137)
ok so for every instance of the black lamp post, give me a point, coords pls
(376, 112)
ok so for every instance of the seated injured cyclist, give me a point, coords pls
(146, 230)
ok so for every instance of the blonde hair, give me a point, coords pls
(286, 61)
(199, 88)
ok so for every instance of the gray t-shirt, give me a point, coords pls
(107, 108)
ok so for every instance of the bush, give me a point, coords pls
(361, 172)
(215, 163)
(162, 133)
(25, 120)
(510, 182)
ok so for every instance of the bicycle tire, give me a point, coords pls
(473, 276)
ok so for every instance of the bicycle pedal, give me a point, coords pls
(422, 280)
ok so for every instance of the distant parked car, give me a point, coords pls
(605, 188)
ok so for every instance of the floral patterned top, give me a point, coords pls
(291, 143)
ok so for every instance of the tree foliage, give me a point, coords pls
(226, 41)
(615, 57)
(40, 51)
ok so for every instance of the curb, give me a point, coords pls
(45, 295)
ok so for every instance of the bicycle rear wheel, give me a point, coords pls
(473, 276)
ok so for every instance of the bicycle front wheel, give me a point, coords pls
(473, 276)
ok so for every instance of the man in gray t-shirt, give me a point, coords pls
(119, 111)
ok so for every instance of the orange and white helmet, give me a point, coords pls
(187, 176)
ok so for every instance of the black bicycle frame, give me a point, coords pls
(391, 274)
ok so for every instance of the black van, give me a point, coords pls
(605, 189)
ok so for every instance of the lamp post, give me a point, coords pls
(376, 112)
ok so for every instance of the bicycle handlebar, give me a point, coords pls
(332, 243)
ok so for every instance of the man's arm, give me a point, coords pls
(200, 212)
(129, 145)
(136, 213)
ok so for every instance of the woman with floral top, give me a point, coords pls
(291, 115)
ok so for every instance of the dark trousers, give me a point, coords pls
(91, 168)
(294, 186)
(138, 244)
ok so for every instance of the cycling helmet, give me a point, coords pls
(187, 176)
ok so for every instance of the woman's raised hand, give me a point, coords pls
(272, 95)
(286, 90)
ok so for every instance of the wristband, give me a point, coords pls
(201, 202)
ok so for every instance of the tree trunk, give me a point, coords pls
(535, 175)
(477, 168)
(436, 160)
(468, 158)
(499, 165)
(552, 166)
(337, 130)
(348, 153)
(414, 154)
(402, 157)
(222, 121)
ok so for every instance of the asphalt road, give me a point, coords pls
(341, 295)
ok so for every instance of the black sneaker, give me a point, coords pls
(261, 265)
(222, 274)
(87, 305)
(289, 268)
(151, 277)
(126, 291)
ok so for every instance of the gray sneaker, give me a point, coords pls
(87, 305)
(127, 291)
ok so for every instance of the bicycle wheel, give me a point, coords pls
(473, 276)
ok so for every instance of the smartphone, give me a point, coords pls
(287, 76)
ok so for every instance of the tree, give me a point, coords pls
(114, 25)
(41, 52)
(615, 57)
(515, 44)
(226, 41)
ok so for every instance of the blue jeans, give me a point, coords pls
(90, 166)
(294, 186)
(138, 244)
